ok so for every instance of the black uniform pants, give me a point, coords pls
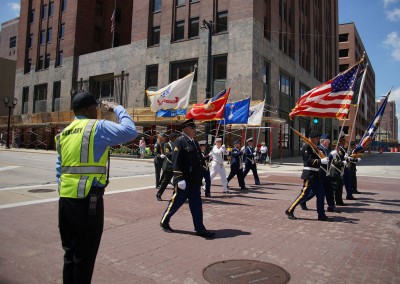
(80, 237)
(353, 176)
(236, 171)
(337, 187)
(158, 162)
(165, 180)
(253, 168)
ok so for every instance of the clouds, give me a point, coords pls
(15, 7)
(387, 3)
(395, 96)
(392, 41)
(393, 15)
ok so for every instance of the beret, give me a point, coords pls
(82, 100)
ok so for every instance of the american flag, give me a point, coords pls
(112, 21)
(371, 129)
(331, 99)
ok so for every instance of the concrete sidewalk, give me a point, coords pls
(362, 245)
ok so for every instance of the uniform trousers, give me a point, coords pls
(207, 180)
(165, 180)
(329, 194)
(191, 193)
(337, 187)
(158, 162)
(310, 189)
(347, 182)
(80, 237)
(253, 167)
(219, 169)
(237, 171)
(353, 177)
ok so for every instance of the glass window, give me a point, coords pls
(44, 12)
(151, 81)
(194, 27)
(343, 37)
(156, 5)
(13, 41)
(47, 61)
(155, 36)
(179, 30)
(63, 5)
(60, 58)
(40, 98)
(30, 41)
(222, 21)
(49, 35)
(180, 2)
(32, 17)
(28, 64)
(343, 67)
(40, 63)
(42, 37)
(56, 95)
(285, 84)
(344, 52)
(51, 9)
(25, 100)
(62, 31)
(220, 67)
(180, 70)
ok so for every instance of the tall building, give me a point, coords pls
(389, 127)
(8, 39)
(351, 50)
(272, 50)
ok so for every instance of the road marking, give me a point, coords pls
(9, 168)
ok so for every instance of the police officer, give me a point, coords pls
(250, 162)
(167, 165)
(159, 158)
(187, 167)
(237, 164)
(311, 180)
(83, 152)
(206, 167)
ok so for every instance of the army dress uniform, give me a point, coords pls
(167, 166)
(250, 162)
(206, 170)
(336, 172)
(237, 166)
(158, 160)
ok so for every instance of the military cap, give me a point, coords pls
(249, 140)
(188, 122)
(83, 100)
(325, 136)
(202, 142)
(173, 135)
(236, 142)
(218, 140)
(314, 134)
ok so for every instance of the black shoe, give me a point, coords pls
(324, 218)
(226, 192)
(290, 215)
(208, 195)
(166, 228)
(333, 210)
(159, 197)
(341, 204)
(157, 186)
(303, 207)
(244, 188)
(257, 183)
(355, 191)
(205, 233)
(351, 198)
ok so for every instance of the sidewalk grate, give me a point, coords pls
(41, 190)
(245, 271)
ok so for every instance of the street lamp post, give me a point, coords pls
(209, 26)
(10, 104)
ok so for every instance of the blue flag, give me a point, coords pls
(372, 127)
(237, 112)
(170, 112)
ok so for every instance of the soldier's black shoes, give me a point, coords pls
(159, 197)
(341, 204)
(324, 218)
(356, 192)
(205, 233)
(350, 198)
(303, 207)
(333, 210)
(257, 183)
(244, 188)
(166, 228)
(290, 215)
(208, 195)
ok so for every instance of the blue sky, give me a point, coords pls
(377, 22)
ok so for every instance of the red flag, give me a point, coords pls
(210, 111)
(331, 99)
(113, 21)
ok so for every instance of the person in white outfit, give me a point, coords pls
(217, 163)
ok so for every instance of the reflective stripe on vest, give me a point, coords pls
(86, 141)
(84, 170)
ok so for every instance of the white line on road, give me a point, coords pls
(9, 168)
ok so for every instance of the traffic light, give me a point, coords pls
(315, 120)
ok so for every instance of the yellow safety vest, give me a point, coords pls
(75, 145)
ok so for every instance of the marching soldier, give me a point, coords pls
(217, 163)
(206, 168)
(159, 158)
(336, 172)
(353, 169)
(250, 162)
(167, 165)
(187, 167)
(237, 164)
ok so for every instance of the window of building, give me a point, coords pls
(343, 67)
(180, 70)
(30, 41)
(180, 3)
(47, 61)
(344, 52)
(13, 41)
(265, 79)
(102, 87)
(42, 36)
(40, 98)
(343, 37)
(32, 17)
(25, 100)
(179, 30)
(155, 36)
(285, 136)
(49, 35)
(40, 63)
(194, 27)
(222, 21)
(194, 1)
(44, 12)
(60, 58)
(219, 73)
(63, 5)
(151, 81)
(156, 6)
(56, 96)
(51, 9)
(62, 31)
(303, 89)
(286, 84)
(28, 65)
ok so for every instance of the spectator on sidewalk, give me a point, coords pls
(263, 153)
(142, 148)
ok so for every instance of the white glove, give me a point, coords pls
(182, 184)
(162, 156)
(359, 160)
(325, 161)
(344, 163)
(255, 154)
(223, 146)
(346, 156)
(333, 153)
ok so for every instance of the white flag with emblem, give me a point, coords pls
(174, 96)
(256, 114)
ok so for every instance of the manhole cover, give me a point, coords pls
(245, 271)
(41, 190)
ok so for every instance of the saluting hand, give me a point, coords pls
(109, 105)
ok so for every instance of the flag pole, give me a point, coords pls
(358, 105)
